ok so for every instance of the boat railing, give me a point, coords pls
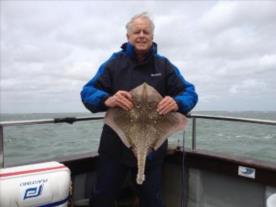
(71, 120)
(194, 118)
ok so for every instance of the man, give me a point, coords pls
(136, 63)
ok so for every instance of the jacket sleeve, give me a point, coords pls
(181, 90)
(98, 89)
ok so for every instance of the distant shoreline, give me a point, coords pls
(267, 115)
(201, 111)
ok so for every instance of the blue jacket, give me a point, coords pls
(122, 71)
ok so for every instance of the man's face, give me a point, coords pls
(140, 35)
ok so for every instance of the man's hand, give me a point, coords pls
(120, 99)
(166, 105)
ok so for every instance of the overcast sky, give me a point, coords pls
(50, 49)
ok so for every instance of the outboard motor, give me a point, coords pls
(37, 185)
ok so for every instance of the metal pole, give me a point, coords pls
(194, 134)
(1, 147)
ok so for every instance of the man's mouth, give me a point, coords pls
(141, 43)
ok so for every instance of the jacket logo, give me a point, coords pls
(155, 74)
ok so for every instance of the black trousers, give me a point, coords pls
(111, 175)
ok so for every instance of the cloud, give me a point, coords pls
(237, 29)
(229, 14)
(249, 86)
(50, 49)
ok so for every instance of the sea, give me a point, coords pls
(31, 143)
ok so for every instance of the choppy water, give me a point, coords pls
(48, 141)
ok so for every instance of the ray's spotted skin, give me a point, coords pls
(142, 128)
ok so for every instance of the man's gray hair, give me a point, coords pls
(143, 15)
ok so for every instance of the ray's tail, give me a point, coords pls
(141, 162)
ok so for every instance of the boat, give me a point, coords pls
(192, 177)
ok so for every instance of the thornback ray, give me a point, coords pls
(142, 128)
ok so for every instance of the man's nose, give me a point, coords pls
(141, 34)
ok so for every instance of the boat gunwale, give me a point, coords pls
(198, 159)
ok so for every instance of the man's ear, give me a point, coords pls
(127, 35)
